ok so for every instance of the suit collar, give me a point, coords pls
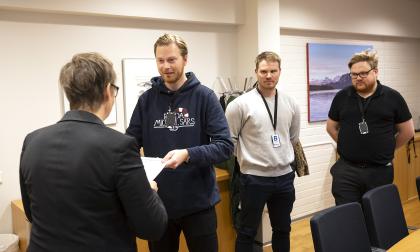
(81, 116)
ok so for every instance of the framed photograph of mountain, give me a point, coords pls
(328, 73)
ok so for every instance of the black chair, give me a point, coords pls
(418, 186)
(340, 228)
(384, 216)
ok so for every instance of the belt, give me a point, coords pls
(364, 165)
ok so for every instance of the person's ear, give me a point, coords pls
(107, 92)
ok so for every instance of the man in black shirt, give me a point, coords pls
(369, 121)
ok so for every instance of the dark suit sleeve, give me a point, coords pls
(23, 190)
(145, 211)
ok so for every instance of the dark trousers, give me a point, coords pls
(351, 181)
(255, 192)
(199, 230)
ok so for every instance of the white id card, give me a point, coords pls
(275, 139)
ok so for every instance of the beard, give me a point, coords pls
(364, 87)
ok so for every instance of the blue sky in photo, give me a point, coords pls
(330, 60)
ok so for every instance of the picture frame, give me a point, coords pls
(327, 73)
(137, 73)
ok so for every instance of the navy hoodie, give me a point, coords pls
(190, 118)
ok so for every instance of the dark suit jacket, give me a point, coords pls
(84, 188)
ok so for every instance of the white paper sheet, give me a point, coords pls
(152, 166)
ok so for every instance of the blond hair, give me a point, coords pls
(168, 39)
(267, 56)
(368, 56)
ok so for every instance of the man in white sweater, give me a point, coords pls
(263, 124)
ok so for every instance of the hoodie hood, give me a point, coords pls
(190, 83)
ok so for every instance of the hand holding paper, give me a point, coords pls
(175, 157)
(152, 167)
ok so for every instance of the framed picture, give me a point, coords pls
(328, 73)
(110, 120)
(137, 73)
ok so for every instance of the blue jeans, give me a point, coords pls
(255, 192)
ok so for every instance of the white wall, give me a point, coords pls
(200, 11)
(372, 17)
(34, 46)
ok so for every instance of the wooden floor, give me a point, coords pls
(301, 239)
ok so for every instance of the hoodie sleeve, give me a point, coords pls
(220, 147)
(135, 127)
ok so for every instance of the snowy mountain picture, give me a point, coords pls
(328, 73)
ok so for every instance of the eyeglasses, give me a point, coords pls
(361, 74)
(116, 89)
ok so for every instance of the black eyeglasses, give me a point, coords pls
(116, 89)
(361, 74)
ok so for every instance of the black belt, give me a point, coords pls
(364, 165)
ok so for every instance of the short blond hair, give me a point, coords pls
(167, 39)
(267, 56)
(368, 56)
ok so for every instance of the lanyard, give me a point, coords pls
(363, 108)
(274, 123)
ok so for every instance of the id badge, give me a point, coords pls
(363, 128)
(275, 139)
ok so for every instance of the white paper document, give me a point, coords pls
(152, 166)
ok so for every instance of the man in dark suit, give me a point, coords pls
(83, 184)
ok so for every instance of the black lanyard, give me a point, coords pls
(363, 108)
(274, 123)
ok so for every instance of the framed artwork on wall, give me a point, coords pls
(137, 73)
(328, 73)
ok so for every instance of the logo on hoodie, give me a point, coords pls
(173, 120)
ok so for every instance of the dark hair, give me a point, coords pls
(267, 56)
(84, 80)
(168, 39)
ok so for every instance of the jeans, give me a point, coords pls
(279, 195)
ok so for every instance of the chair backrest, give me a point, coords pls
(418, 186)
(384, 216)
(340, 228)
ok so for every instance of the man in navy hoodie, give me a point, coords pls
(182, 121)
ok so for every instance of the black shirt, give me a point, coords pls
(385, 109)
